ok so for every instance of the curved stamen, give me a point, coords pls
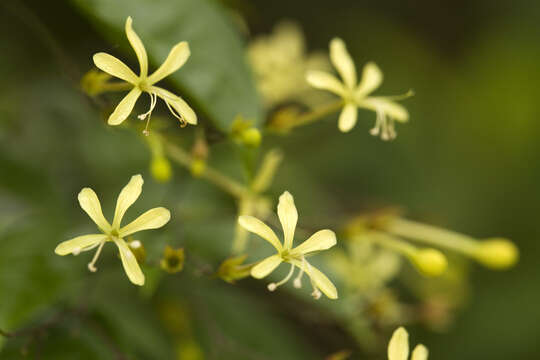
(153, 102)
(183, 123)
(91, 266)
(273, 286)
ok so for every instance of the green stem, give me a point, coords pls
(432, 235)
(389, 242)
(227, 184)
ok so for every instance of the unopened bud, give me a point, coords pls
(160, 168)
(197, 167)
(251, 137)
(497, 253)
(430, 262)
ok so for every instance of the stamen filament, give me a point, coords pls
(298, 280)
(273, 286)
(91, 266)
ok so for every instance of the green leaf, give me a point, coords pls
(216, 79)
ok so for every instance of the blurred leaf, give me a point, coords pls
(216, 78)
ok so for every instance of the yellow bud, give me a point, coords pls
(160, 168)
(251, 137)
(197, 167)
(173, 260)
(429, 262)
(497, 253)
(94, 82)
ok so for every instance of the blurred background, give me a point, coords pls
(468, 160)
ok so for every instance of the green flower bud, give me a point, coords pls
(429, 262)
(497, 253)
(160, 168)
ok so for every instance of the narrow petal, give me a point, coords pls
(138, 46)
(125, 107)
(342, 62)
(90, 204)
(114, 67)
(178, 104)
(321, 240)
(256, 226)
(78, 244)
(127, 197)
(372, 78)
(347, 118)
(398, 347)
(152, 219)
(420, 352)
(319, 279)
(131, 266)
(325, 81)
(266, 266)
(288, 216)
(176, 58)
(392, 109)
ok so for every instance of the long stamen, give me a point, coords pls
(78, 250)
(91, 266)
(316, 292)
(273, 286)
(183, 123)
(147, 115)
(298, 280)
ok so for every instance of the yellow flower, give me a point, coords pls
(152, 219)
(355, 95)
(398, 347)
(144, 83)
(321, 240)
(173, 260)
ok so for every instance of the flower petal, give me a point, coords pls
(347, 118)
(152, 219)
(131, 266)
(78, 244)
(177, 103)
(321, 240)
(319, 279)
(392, 109)
(114, 67)
(176, 58)
(398, 347)
(90, 204)
(325, 81)
(138, 46)
(256, 226)
(127, 197)
(288, 216)
(266, 266)
(125, 107)
(372, 78)
(342, 62)
(420, 352)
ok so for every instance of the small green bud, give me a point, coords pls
(94, 82)
(251, 137)
(197, 167)
(160, 168)
(233, 269)
(497, 253)
(429, 262)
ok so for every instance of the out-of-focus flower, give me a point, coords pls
(321, 240)
(152, 219)
(144, 82)
(279, 61)
(355, 95)
(172, 260)
(398, 347)
(364, 268)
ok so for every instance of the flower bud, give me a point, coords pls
(160, 168)
(197, 167)
(429, 262)
(251, 137)
(497, 253)
(233, 269)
